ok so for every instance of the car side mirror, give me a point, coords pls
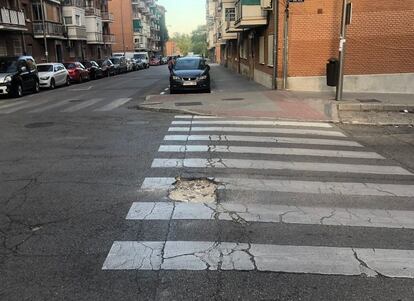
(22, 69)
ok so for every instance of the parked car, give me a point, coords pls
(18, 75)
(119, 64)
(155, 61)
(52, 75)
(190, 74)
(164, 60)
(144, 57)
(77, 72)
(107, 67)
(135, 65)
(130, 65)
(95, 71)
(140, 64)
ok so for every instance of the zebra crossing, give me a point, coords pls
(271, 173)
(62, 106)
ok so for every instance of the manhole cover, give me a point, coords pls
(184, 104)
(369, 100)
(194, 191)
(232, 99)
(76, 100)
(39, 125)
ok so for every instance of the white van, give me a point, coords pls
(143, 56)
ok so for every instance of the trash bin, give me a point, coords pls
(332, 72)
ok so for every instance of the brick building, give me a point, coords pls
(140, 25)
(70, 29)
(171, 48)
(379, 48)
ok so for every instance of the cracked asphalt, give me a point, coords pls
(66, 188)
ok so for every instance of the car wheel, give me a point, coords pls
(80, 79)
(18, 92)
(36, 88)
(52, 84)
(172, 91)
(67, 81)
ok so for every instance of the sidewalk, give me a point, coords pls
(236, 96)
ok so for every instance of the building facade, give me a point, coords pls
(140, 26)
(379, 42)
(56, 31)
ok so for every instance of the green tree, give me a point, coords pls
(183, 42)
(199, 40)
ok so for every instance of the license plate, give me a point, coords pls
(189, 83)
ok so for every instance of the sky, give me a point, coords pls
(184, 16)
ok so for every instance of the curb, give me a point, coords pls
(375, 107)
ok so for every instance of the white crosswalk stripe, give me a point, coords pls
(26, 105)
(261, 139)
(258, 130)
(66, 105)
(268, 151)
(114, 104)
(82, 105)
(246, 169)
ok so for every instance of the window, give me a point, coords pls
(261, 50)
(37, 11)
(245, 48)
(230, 14)
(17, 47)
(270, 51)
(77, 18)
(68, 20)
(3, 48)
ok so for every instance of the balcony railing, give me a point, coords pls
(109, 39)
(12, 19)
(107, 17)
(76, 32)
(92, 11)
(77, 3)
(94, 37)
(250, 15)
(55, 30)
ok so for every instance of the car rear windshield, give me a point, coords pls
(8, 65)
(140, 56)
(45, 68)
(188, 64)
(70, 66)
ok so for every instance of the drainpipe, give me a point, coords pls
(44, 31)
(275, 42)
(285, 46)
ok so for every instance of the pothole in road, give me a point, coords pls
(39, 125)
(202, 190)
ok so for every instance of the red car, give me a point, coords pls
(155, 62)
(77, 72)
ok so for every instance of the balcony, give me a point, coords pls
(249, 13)
(76, 3)
(76, 32)
(94, 38)
(53, 30)
(108, 39)
(92, 12)
(107, 17)
(12, 20)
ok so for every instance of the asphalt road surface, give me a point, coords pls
(304, 211)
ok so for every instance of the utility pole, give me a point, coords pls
(122, 27)
(285, 45)
(342, 44)
(275, 41)
(44, 31)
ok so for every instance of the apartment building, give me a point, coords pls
(140, 26)
(379, 42)
(54, 30)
